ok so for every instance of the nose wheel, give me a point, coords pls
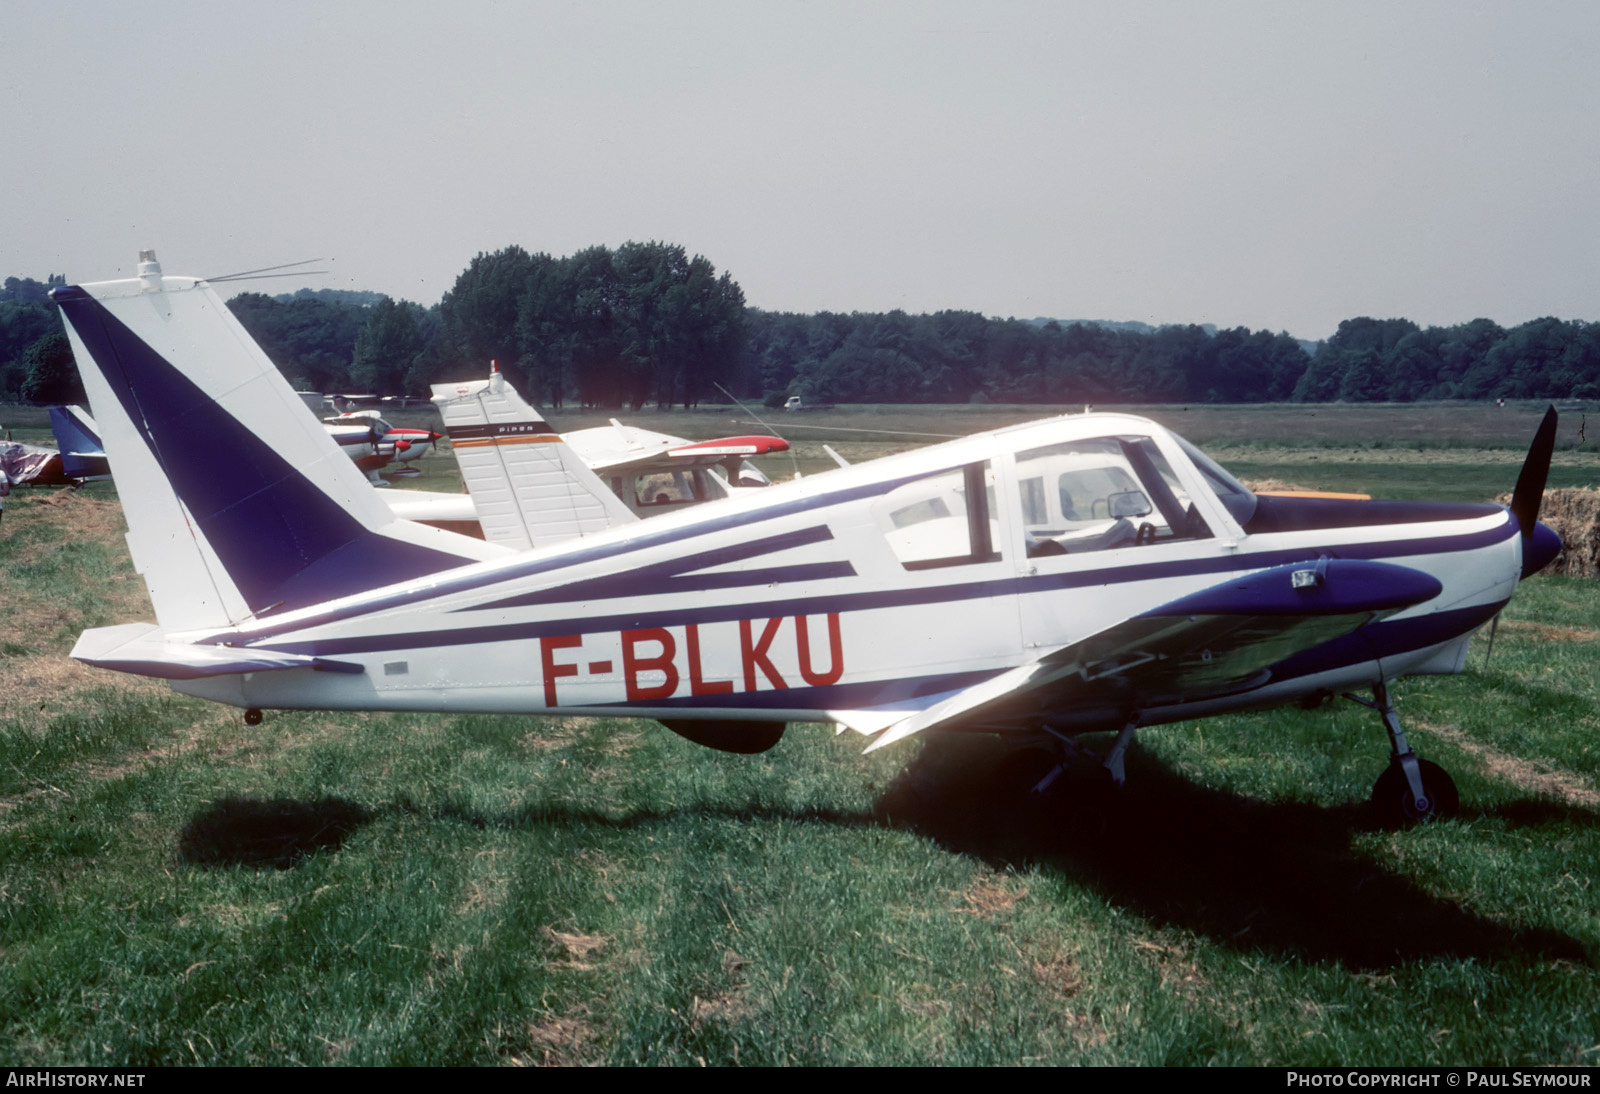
(1410, 790)
(1395, 804)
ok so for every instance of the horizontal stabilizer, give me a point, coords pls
(142, 649)
(528, 487)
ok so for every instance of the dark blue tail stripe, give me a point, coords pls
(281, 539)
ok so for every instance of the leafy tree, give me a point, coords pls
(310, 338)
(1364, 380)
(387, 348)
(52, 375)
(480, 310)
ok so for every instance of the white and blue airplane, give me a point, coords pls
(1087, 573)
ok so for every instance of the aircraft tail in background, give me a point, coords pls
(530, 489)
(83, 457)
(222, 524)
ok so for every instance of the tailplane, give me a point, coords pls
(528, 486)
(238, 502)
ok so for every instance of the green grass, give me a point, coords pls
(176, 887)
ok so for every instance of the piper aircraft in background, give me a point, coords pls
(1079, 574)
(523, 497)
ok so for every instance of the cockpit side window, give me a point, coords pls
(945, 519)
(1237, 498)
(1101, 494)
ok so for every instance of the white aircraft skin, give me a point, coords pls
(956, 587)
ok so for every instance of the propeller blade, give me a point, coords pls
(1493, 627)
(1529, 493)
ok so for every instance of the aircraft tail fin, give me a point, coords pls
(530, 489)
(237, 501)
(83, 456)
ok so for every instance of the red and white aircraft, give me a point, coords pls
(375, 444)
(657, 472)
(1084, 573)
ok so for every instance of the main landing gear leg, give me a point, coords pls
(1113, 761)
(1410, 789)
(1069, 768)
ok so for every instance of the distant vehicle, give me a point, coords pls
(793, 403)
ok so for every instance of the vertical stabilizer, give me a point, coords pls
(238, 502)
(529, 487)
(83, 456)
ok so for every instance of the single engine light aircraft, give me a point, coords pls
(1086, 573)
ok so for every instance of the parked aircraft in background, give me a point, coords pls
(656, 472)
(83, 458)
(76, 459)
(388, 444)
(571, 484)
(1086, 573)
(649, 472)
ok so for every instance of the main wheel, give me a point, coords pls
(1392, 798)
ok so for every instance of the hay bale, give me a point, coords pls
(1274, 486)
(1573, 513)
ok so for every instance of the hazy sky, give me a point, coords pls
(1277, 165)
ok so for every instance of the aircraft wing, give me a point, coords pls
(621, 450)
(1219, 641)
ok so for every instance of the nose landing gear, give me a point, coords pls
(1410, 790)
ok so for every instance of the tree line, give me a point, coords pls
(647, 323)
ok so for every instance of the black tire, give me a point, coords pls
(1391, 795)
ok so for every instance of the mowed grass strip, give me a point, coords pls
(176, 887)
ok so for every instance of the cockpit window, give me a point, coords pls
(1234, 495)
(1102, 494)
(941, 520)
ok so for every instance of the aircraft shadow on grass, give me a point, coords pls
(1281, 877)
(277, 833)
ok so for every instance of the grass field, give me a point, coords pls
(177, 887)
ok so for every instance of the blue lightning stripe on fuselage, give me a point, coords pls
(629, 583)
(865, 601)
